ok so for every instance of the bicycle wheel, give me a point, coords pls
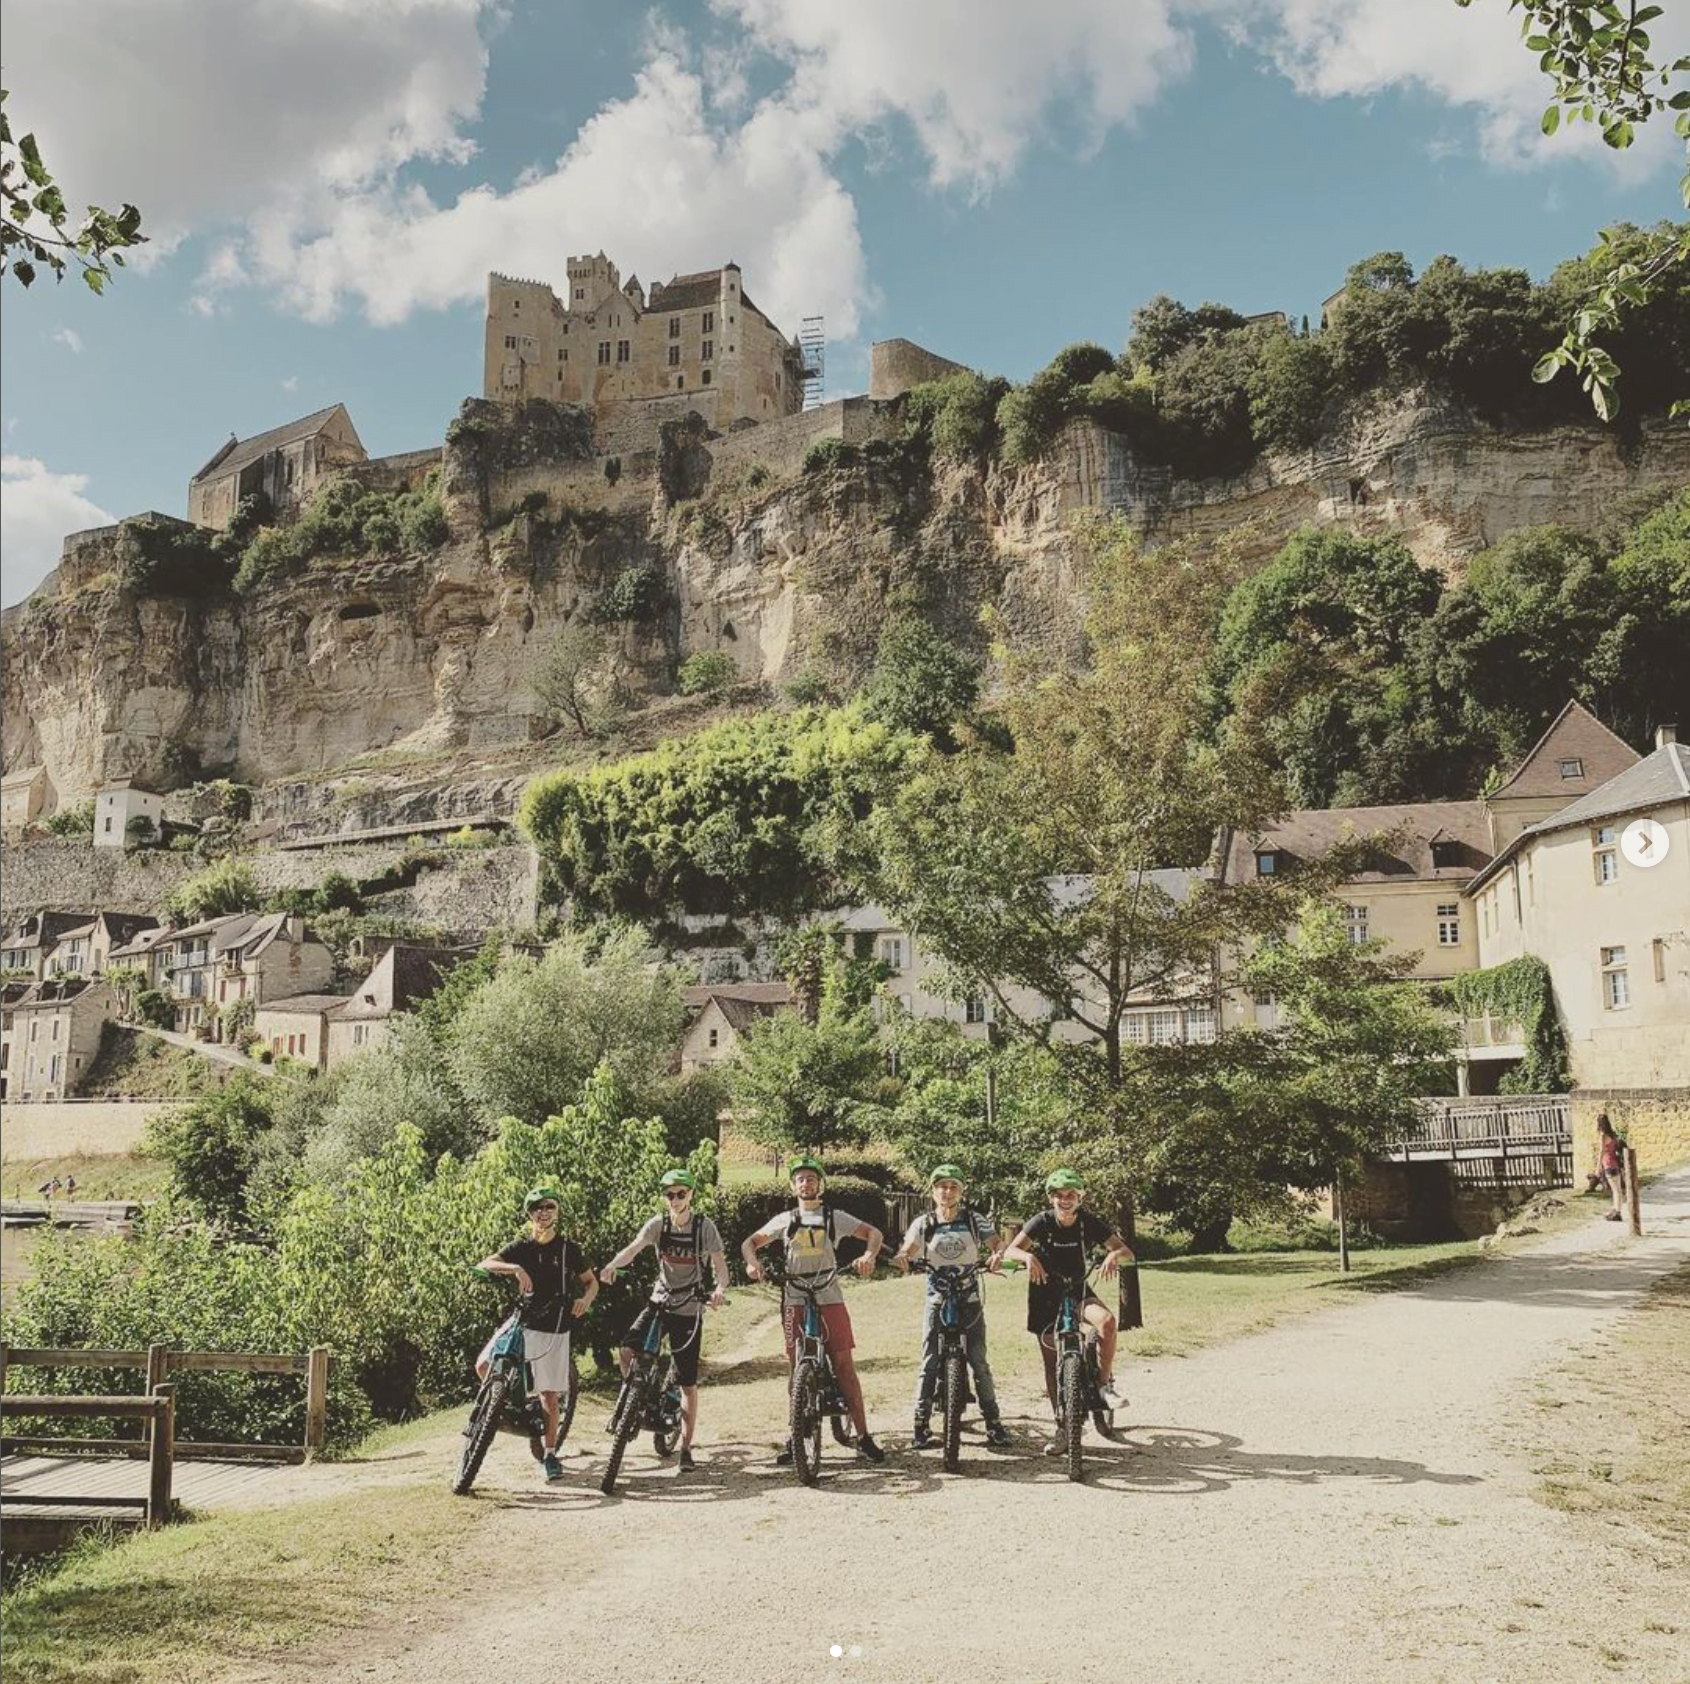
(1070, 1393)
(954, 1380)
(806, 1420)
(624, 1424)
(667, 1434)
(566, 1408)
(483, 1423)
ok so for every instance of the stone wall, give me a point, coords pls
(81, 1128)
(895, 365)
(1655, 1121)
(405, 471)
(56, 875)
(471, 894)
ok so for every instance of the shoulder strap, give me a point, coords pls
(929, 1226)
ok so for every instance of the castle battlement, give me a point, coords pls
(603, 343)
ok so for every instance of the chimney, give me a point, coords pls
(1665, 734)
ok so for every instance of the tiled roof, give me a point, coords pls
(144, 943)
(1311, 832)
(686, 292)
(747, 993)
(261, 444)
(22, 777)
(401, 977)
(305, 1005)
(1574, 734)
(45, 928)
(1654, 781)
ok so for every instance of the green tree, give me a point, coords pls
(35, 225)
(211, 1145)
(710, 673)
(227, 885)
(920, 683)
(572, 682)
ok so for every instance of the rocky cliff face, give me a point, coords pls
(424, 654)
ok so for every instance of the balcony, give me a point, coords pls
(1488, 1037)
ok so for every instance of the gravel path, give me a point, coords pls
(1343, 1496)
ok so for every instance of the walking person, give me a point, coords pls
(683, 1240)
(1610, 1163)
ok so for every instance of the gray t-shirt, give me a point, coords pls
(680, 1260)
(810, 1251)
(950, 1244)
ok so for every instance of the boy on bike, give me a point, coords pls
(544, 1263)
(683, 1241)
(1054, 1245)
(811, 1231)
(952, 1234)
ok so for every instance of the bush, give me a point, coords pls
(153, 1008)
(959, 414)
(708, 673)
(636, 593)
(141, 830)
(920, 683)
(827, 454)
(808, 688)
(741, 1209)
(77, 821)
(344, 518)
(223, 887)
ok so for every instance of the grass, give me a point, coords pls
(1616, 1427)
(183, 1603)
(144, 1067)
(125, 1175)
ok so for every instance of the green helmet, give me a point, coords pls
(1063, 1180)
(806, 1162)
(679, 1178)
(945, 1172)
(537, 1195)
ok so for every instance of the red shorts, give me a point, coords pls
(836, 1327)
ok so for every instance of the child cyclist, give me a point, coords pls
(683, 1240)
(1054, 1246)
(953, 1234)
(544, 1263)
(811, 1231)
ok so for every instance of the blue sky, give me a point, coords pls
(330, 182)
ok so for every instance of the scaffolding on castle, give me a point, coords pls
(812, 344)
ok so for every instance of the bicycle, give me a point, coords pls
(815, 1391)
(956, 1284)
(503, 1403)
(650, 1398)
(1079, 1389)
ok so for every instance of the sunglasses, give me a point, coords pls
(548, 1205)
(677, 1192)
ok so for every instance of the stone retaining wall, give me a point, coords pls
(472, 893)
(1655, 1121)
(79, 1128)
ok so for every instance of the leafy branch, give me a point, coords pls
(35, 226)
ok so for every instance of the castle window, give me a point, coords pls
(604, 352)
(709, 321)
(516, 306)
(709, 349)
(563, 356)
(581, 292)
(674, 327)
(707, 377)
(680, 382)
(622, 350)
(510, 341)
(674, 356)
(730, 321)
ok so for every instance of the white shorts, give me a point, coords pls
(547, 1355)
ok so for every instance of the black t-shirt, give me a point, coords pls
(554, 1269)
(1063, 1250)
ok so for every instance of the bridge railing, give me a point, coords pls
(159, 1362)
(157, 1409)
(1536, 1123)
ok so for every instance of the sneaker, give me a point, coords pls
(997, 1435)
(686, 1464)
(1612, 1216)
(1112, 1399)
(1055, 1447)
(922, 1438)
(551, 1467)
(869, 1451)
(784, 1459)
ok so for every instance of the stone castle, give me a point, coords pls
(607, 342)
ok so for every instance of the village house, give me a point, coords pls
(25, 951)
(55, 1035)
(723, 1013)
(87, 949)
(297, 1026)
(24, 796)
(1600, 892)
(1575, 755)
(10, 994)
(121, 803)
(402, 978)
(606, 342)
(245, 955)
(147, 951)
(284, 466)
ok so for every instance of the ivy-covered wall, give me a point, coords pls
(1520, 992)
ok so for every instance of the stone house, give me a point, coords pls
(55, 1036)
(1576, 755)
(246, 955)
(402, 978)
(24, 796)
(723, 1014)
(10, 994)
(87, 949)
(25, 951)
(148, 952)
(119, 804)
(1600, 891)
(606, 342)
(285, 465)
(297, 1026)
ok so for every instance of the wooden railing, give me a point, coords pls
(157, 1409)
(1530, 1124)
(159, 1362)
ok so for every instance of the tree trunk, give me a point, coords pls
(1211, 1236)
(1130, 1312)
(1343, 1223)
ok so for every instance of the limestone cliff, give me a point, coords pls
(718, 543)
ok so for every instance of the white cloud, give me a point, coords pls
(37, 508)
(291, 384)
(70, 339)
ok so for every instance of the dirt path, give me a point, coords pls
(1341, 1496)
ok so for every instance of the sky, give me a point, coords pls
(327, 183)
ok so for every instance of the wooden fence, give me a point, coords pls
(159, 1362)
(1528, 1125)
(157, 1409)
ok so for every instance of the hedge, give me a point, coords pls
(741, 1210)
